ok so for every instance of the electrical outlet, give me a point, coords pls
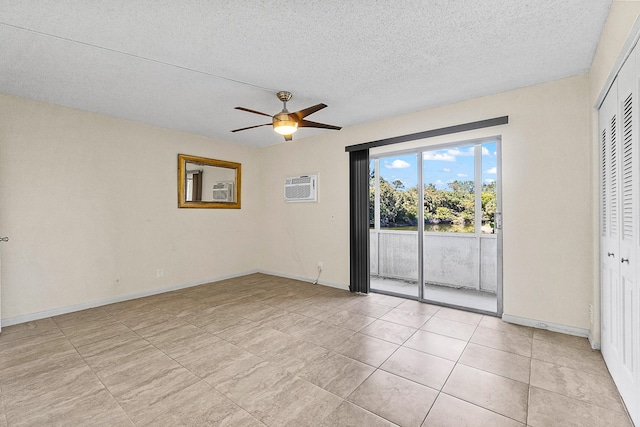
(591, 313)
(320, 265)
(160, 273)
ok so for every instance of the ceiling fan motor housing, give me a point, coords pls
(285, 123)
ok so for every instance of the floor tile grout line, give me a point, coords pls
(201, 379)
(495, 349)
(331, 351)
(488, 409)
(431, 408)
(581, 400)
(440, 391)
(238, 404)
(98, 377)
(624, 412)
(164, 353)
(456, 362)
(181, 365)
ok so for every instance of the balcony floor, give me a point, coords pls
(467, 298)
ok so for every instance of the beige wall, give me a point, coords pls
(546, 191)
(620, 21)
(90, 205)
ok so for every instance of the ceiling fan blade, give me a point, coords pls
(304, 113)
(288, 137)
(251, 127)
(253, 111)
(310, 124)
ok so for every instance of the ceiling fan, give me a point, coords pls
(286, 123)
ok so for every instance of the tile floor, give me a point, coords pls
(260, 350)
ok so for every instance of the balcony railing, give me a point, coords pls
(460, 260)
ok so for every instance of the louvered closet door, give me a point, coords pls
(609, 222)
(621, 299)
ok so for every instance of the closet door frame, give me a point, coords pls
(609, 241)
(620, 240)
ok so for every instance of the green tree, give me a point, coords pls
(410, 206)
(453, 205)
(488, 203)
(390, 204)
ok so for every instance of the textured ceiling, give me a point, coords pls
(186, 64)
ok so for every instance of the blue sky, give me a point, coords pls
(440, 166)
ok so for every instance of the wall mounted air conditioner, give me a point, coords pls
(301, 188)
(223, 191)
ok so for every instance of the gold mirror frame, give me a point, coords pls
(183, 159)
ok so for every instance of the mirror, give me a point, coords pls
(208, 183)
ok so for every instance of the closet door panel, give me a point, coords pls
(610, 242)
(625, 308)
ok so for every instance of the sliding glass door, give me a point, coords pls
(394, 223)
(435, 229)
(460, 256)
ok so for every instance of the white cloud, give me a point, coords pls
(439, 181)
(462, 175)
(446, 170)
(491, 171)
(397, 164)
(489, 180)
(456, 152)
(433, 155)
(450, 155)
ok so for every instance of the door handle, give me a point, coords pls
(498, 220)
(623, 260)
(4, 239)
(610, 254)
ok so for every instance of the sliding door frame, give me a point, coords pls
(476, 143)
(358, 244)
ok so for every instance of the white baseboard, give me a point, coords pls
(594, 344)
(78, 307)
(554, 327)
(304, 279)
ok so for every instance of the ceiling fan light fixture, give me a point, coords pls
(284, 124)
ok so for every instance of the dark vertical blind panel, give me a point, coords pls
(359, 220)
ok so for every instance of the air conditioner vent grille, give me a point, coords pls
(301, 188)
(298, 192)
(300, 180)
